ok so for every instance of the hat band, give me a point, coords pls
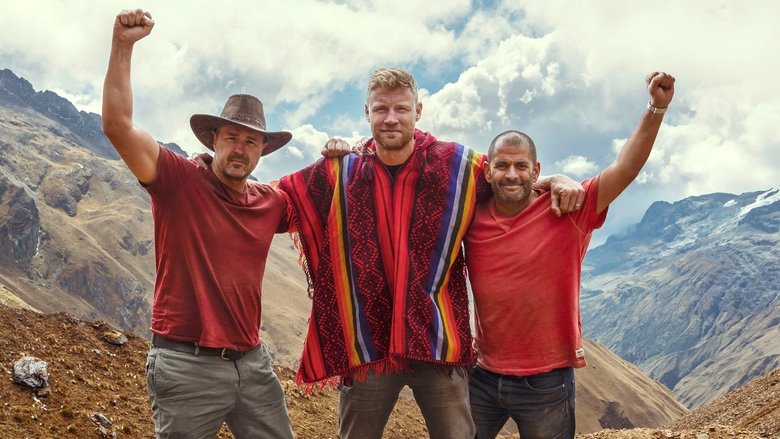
(243, 118)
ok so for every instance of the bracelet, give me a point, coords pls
(655, 110)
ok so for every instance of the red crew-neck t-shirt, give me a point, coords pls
(211, 245)
(525, 276)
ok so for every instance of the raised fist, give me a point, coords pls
(132, 25)
(660, 85)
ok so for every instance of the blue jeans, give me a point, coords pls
(541, 405)
(443, 398)
(193, 395)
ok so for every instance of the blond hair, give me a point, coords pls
(391, 78)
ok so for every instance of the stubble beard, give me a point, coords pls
(392, 144)
(512, 198)
(235, 173)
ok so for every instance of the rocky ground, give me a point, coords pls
(91, 379)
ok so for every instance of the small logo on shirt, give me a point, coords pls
(580, 353)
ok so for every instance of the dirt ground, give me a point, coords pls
(90, 377)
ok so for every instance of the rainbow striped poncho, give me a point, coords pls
(383, 258)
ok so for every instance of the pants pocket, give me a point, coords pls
(547, 382)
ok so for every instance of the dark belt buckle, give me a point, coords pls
(223, 356)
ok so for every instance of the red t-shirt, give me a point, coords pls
(525, 276)
(211, 244)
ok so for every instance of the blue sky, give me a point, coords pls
(570, 74)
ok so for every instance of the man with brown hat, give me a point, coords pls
(213, 230)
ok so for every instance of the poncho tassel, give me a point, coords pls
(298, 244)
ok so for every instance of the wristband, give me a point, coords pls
(655, 110)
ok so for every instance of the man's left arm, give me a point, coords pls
(632, 157)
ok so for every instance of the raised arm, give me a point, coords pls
(618, 175)
(137, 148)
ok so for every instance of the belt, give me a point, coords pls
(193, 348)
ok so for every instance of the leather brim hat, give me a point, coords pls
(240, 109)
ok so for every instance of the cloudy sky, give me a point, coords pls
(568, 73)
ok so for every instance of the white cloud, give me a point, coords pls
(344, 124)
(199, 52)
(571, 75)
(713, 147)
(496, 94)
(311, 140)
(295, 151)
(567, 73)
(577, 166)
(483, 33)
(413, 10)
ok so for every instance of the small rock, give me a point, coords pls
(33, 373)
(114, 337)
(100, 419)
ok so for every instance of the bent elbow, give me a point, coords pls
(113, 129)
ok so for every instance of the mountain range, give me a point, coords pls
(691, 294)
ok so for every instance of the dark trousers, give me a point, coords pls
(542, 405)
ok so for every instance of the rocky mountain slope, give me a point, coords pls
(91, 379)
(74, 227)
(691, 295)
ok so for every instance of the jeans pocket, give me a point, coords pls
(547, 382)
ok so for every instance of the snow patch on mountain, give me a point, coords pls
(764, 199)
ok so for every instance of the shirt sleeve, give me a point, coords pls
(587, 216)
(172, 170)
